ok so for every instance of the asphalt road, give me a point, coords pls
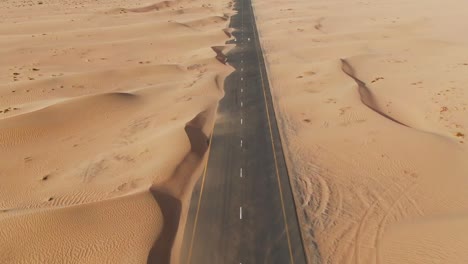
(242, 209)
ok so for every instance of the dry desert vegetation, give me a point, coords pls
(373, 104)
(104, 111)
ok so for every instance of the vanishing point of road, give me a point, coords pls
(242, 209)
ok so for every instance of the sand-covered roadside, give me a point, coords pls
(104, 111)
(373, 104)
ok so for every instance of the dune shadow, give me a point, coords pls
(365, 94)
(171, 207)
(168, 194)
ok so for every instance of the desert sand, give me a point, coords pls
(105, 110)
(372, 99)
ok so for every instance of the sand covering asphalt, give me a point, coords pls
(105, 107)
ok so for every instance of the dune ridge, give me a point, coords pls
(365, 93)
(105, 115)
(372, 110)
(158, 6)
(29, 231)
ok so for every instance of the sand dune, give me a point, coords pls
(154, 7)
(86, 232)
(366, 95)
(372, 103)
(105, 107)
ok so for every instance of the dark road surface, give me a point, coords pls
(242, 209)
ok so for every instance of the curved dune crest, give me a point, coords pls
(54, 119)
(106, 108)
(372, 106)
(87, 233)
(145, 9)
(200, 23)
(365, 93)
(221, 52)
(157, 6)
(228, 31)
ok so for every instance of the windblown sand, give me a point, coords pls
(105, 107)
(373, 104)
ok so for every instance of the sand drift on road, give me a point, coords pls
(105, 108)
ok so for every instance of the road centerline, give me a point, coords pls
(221, 237)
